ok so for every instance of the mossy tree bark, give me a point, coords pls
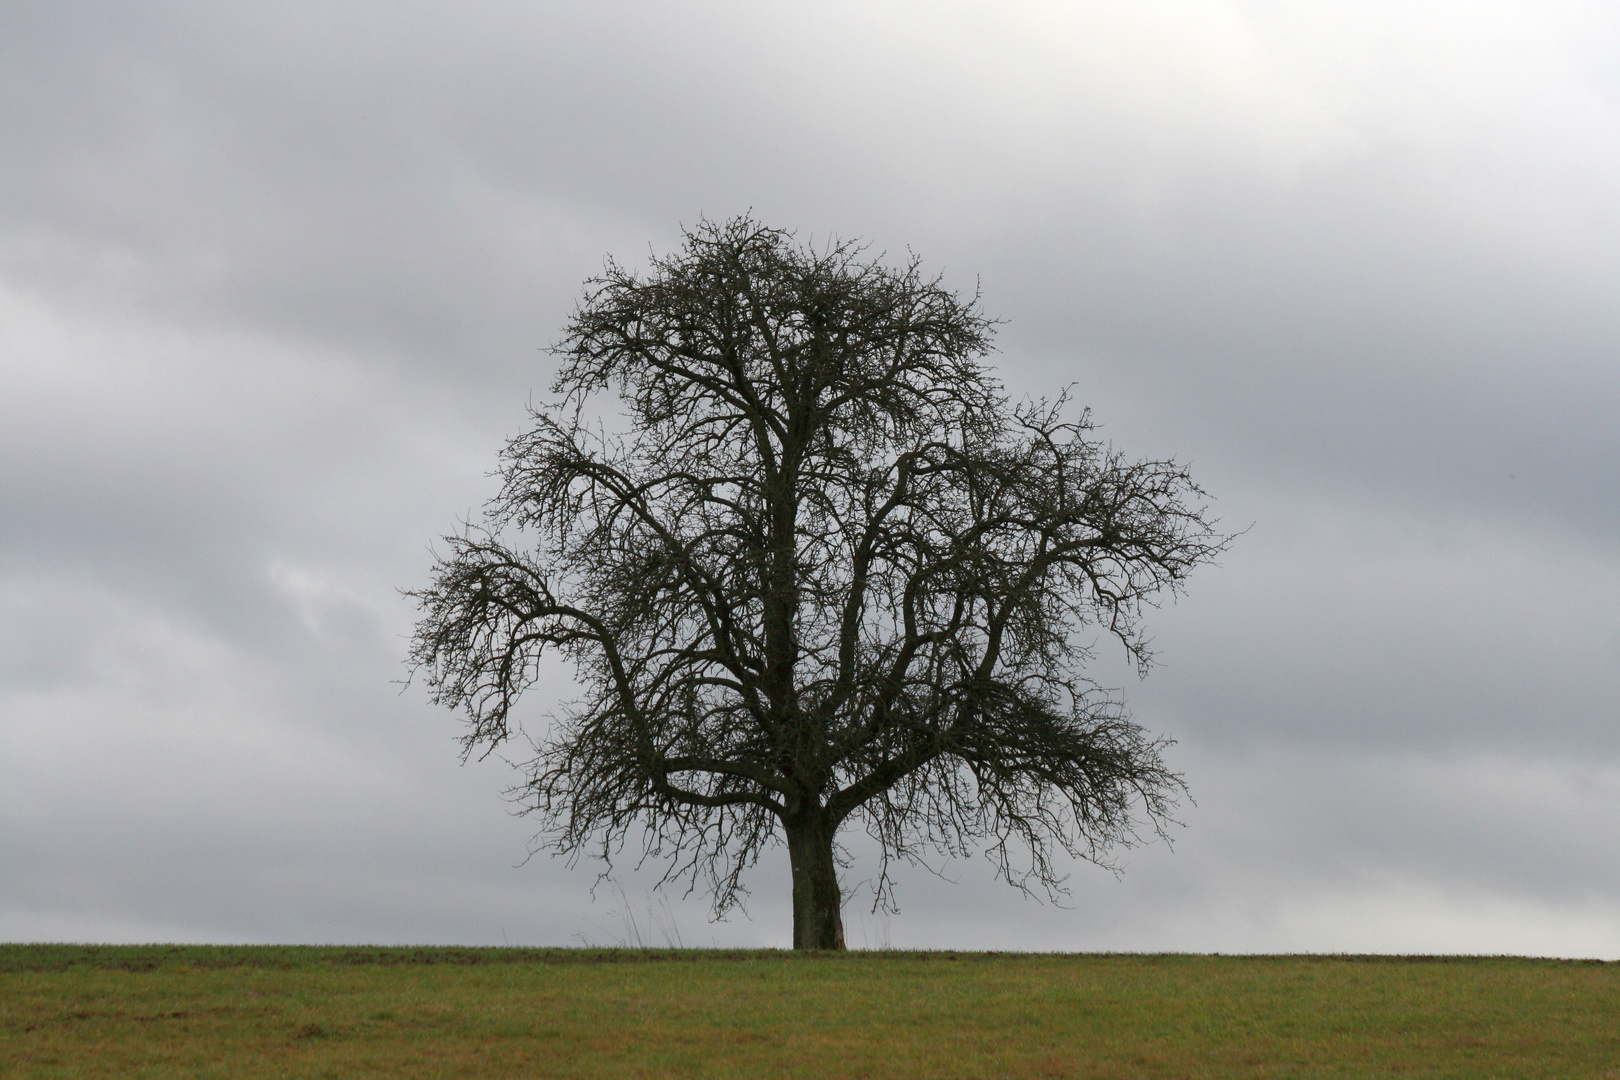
(818, 920)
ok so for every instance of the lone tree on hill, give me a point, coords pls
(815, 569)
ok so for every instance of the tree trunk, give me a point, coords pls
(818, 921)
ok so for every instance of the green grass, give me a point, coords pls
(183, 1011)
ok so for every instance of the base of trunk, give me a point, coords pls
(818, 918)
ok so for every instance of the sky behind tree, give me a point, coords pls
(276, 284)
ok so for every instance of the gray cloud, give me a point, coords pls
(273, 286)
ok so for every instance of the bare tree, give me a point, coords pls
(816, 568)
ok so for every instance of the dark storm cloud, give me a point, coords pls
(273, 282)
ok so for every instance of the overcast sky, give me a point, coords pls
(275, 282)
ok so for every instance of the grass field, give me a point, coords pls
(184, 1011)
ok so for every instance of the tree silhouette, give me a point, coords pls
(814, 568)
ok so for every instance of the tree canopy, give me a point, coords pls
(812, 568)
